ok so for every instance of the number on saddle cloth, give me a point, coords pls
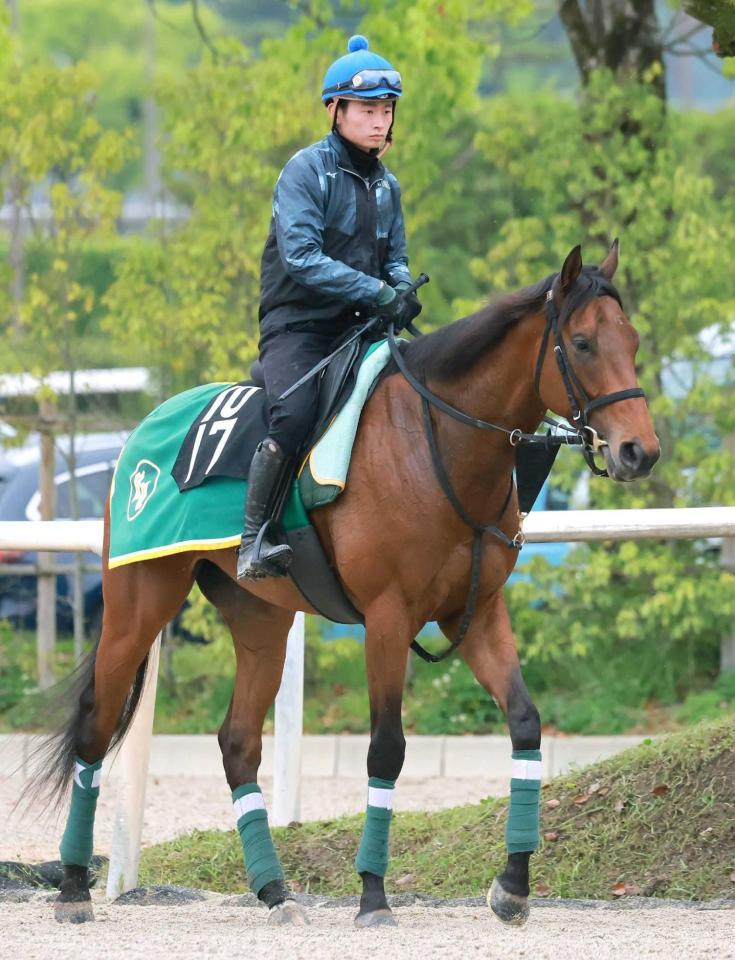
(222, 439)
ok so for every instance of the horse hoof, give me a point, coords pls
(287, 912)
(509, 908)
(71, 911)
(376, 918)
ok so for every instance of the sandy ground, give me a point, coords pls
(177, 805)
(215, 928)
(211, 929)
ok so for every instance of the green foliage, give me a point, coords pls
(446, 699)
(16, 673)
(617, 628)
(131, 45)
(618, 163)
(48, 133)
(709, 704)
(22, 705)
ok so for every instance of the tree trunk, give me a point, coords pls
(621, 35)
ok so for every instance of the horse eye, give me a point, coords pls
(581, 345)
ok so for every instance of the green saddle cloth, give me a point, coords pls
(150, 517)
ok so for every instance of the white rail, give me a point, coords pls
(542, 526)
(684, 523)
(86, 536)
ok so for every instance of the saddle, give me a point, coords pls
(222, 440)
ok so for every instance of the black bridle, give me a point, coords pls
(580, 433)
(586, 435)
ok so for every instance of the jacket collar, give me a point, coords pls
(343, 158)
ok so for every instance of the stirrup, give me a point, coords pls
(259, 567)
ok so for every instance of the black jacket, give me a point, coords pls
(333, 237)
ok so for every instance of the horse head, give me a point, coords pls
(591, 379)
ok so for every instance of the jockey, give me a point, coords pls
(335, 255)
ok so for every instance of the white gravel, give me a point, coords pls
(28, 931)
(178, 805)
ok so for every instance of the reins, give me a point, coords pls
(580, 434)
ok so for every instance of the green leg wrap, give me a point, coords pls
(372, 856)
(76, 844)
(261, 859)
(522, 830)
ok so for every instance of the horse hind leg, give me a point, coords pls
(139, 600)
(259, 633)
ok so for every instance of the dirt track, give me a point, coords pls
(214, 928)
(28, 931)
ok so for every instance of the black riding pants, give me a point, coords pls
(286, 355)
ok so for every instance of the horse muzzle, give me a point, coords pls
(630, 459)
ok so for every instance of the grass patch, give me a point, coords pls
(656, 820)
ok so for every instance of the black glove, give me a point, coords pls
(412, 302)
(399, 308)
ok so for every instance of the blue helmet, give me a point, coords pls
(361, 75)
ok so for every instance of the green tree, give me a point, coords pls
(616, 161)
(190, 297)
(127, 45)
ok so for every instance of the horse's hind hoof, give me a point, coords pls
(73, 911)
(376, 918)
(287, 912)
(509, 908)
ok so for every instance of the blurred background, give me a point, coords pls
(139, 147)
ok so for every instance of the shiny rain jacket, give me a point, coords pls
(333, 237)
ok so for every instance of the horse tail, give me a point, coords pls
(67, 712)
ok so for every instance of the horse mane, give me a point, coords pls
(451, 351)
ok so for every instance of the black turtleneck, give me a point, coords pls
(364, 163)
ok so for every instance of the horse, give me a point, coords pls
(406, 537)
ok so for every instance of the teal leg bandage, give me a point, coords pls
(372, 856)
(76, 844)
(522, 831)
(261, 860)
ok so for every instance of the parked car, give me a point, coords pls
(20, 500)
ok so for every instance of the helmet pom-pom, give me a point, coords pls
(358, 42)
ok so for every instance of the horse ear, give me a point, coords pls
(610, 264)
(571, 269)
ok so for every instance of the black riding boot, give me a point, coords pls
(258, 557)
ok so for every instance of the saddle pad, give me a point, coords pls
(149, 517)
(323, 474)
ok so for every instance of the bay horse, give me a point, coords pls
(404, 553)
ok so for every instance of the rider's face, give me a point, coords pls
(364, 122)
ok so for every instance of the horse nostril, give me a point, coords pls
(632, 454)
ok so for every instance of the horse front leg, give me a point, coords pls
(386, 651)
(490, 651)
